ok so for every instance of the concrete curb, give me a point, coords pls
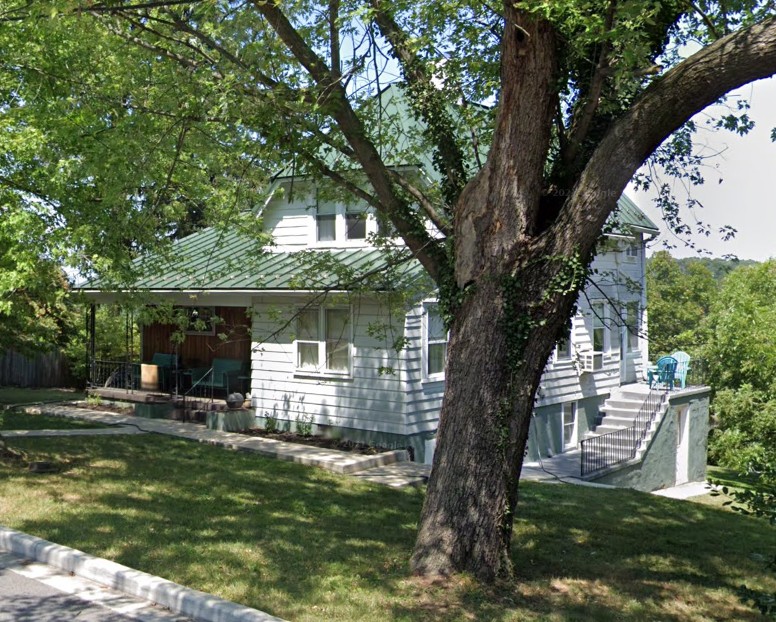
(179, 599)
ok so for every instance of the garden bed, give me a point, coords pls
(319, 441)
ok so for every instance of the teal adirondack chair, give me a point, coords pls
(682, 367)
(664, 374)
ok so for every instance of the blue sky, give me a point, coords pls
(746, 197)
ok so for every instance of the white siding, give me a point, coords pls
(619, 280)
(562, 382)
(367, 400)
(404, 402)
(424, 397)
(290, 216)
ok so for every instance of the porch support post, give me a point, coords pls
(90, 330)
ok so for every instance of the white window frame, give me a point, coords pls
(564, 350)
(599, 321)
(321, 369)
(363, 215)
(330, 212)
(428, 308)
(341, 212)
(632, 325)
(574, 410)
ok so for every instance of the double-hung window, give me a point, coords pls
(339, 224)
(435, 343)
(326, 222)
(599, 327)
(563, 349)
(633, 324)
(323, 340)
(355, 223)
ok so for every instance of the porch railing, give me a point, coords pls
(201, 388)
(606, 450)
(114, 375)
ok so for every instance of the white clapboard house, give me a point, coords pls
(311, 345)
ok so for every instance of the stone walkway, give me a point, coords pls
(391, 468)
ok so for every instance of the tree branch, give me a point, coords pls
(425, 204)
(102, 7)
(583, 117)
(428, 251)
(167, 53)
(183, 26)
(334, 42)
(428, 103)
(277, 93)
(670, 101)
(706, 20)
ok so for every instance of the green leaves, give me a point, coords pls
(678, 300)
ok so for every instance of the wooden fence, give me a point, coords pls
(40, 371)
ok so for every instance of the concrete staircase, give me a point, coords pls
(619, 413)
(621, 408)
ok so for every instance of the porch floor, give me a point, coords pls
(182, 408)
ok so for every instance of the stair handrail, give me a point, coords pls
(593, 459)
(194, 385)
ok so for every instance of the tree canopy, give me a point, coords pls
(677, 301)
(141, 110)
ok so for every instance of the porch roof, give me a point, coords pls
(219, 261)
(628, 218)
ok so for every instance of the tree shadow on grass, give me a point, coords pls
(267, 533)
(615, 555)
(306, 544)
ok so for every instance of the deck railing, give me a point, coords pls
(606, 450)
(201, 388)
(114, 375)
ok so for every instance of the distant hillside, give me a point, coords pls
(718, 267)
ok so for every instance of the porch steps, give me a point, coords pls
(619, 413)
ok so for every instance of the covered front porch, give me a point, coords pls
(179, 362)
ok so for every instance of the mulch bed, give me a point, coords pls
(113, 408)
(290, 437)
(318, 441)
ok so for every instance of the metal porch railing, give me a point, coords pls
(114, 375)
(606, 450)
(201, 389)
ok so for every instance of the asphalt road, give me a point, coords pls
(33, 592)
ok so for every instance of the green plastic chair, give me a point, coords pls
(664, 375)
(682, 367)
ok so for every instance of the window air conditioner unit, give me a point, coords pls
(591, 361)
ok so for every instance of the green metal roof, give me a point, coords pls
(218, 261)
(628, 217)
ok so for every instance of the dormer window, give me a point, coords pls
(355, 223)
(326, 222)
(341, 225)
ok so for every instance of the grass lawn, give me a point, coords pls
(15, 395)
(13, 420)
(305, 544)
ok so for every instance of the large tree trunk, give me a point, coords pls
(496, 357)
(511, 312)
